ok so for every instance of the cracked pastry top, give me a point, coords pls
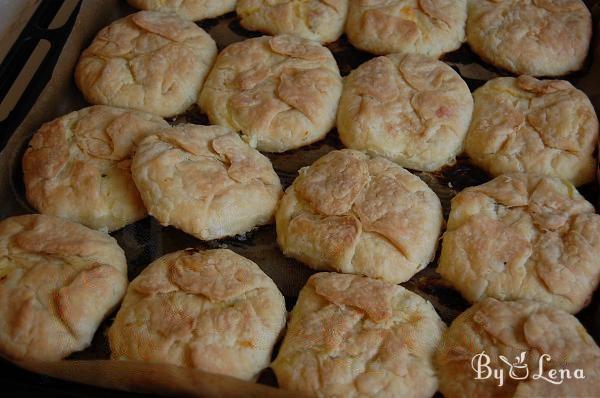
(318, 20)
(280, 92)
(530, 37)
(193, 10)
(508, 329)
(352, 336)
(354, 214)
(411, 109)
(523, 236)
(428, 27)
(58, 281)
(205, 181)
(212, 310)
(149, 61)
(78, 166)
(538, 126)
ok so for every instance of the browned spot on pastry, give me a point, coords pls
(372, 297)
(385, 25)
(332, 184)
(557, 5)
(541, 87)
(432, 9)
(297, 48)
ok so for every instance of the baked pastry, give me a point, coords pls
(412, 109)
(280, 92)
(205, 181)
(530, 37)
(353, 214)
(78, 166)
(537, 126)
(428, 27)
(318, 20)
(517, 332)
(523, 236)
(58, 281)
(194, 10)
(150, 61)
(351, 336)
(212, 310)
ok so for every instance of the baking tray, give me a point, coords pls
(146, 240)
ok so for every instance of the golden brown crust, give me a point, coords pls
(212, 310)
(353, 336)
(205, 181)
(77, 166)
(353, 214)
(280, 92)
(537, 126)
(150, 61)
(318, 20)
(411, 109)
(530, 37)
(428, 27)
(193, 10)
(508, 329)
(58, 281)
(523, 236)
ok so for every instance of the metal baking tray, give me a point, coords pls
(146, 240)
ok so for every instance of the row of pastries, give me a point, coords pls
(533, 37)
(521, 248)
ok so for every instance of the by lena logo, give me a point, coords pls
(519, 370)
